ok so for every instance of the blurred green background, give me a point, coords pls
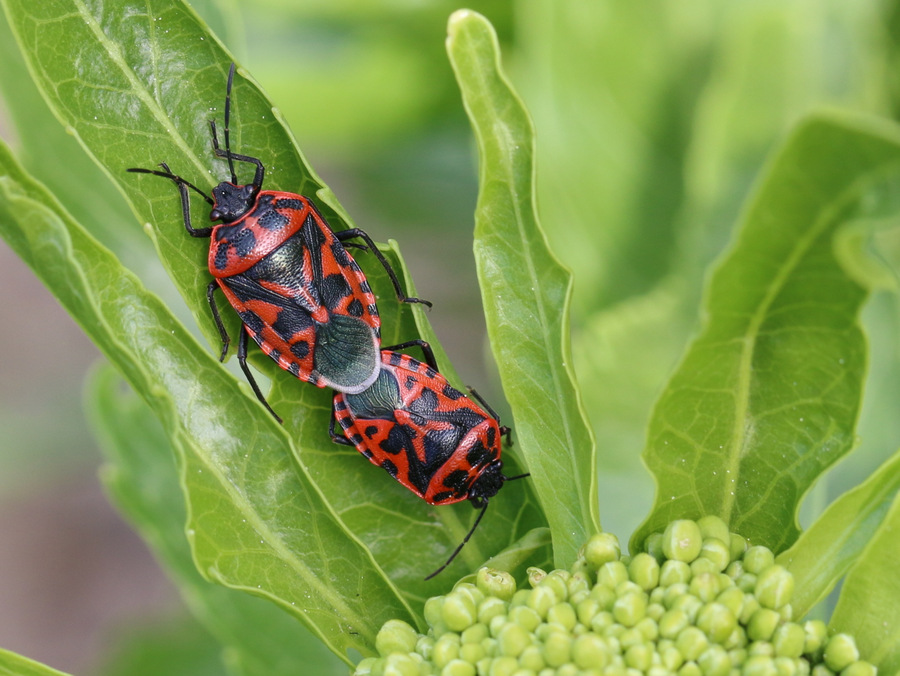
(652, 118)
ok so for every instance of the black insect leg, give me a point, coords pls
(335, 437)
(356, 232)
(226, 339)
(463, 543)
(426, 350)
(242, 360)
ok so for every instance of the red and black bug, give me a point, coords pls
(425, 433)
(298, 291)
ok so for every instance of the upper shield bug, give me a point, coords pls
(298, 291)
(426, 434)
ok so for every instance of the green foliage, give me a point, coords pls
(633, 184)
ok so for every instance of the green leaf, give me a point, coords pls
(526, 293)
(256, 520)
(140, 120)
(867, 608)
(824, 552)
(12, 664)
(142, 480)
(768, 395)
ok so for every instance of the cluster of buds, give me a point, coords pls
(698, 602)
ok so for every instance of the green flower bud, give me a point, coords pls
(639, 656)
(558, 581)
(490, 608)
(859, 669)
(489, 645)
(785, 666)
(774, 587)
(602, 621)
(701, 566)
(682, 540)
(759, 665)
(542, 599)
(445, 650)
(567, 670)
(612, 574)
(714, 661)
(520, 598)
(532, 658)
(433, 610)
(732, 598)
(364, 668)
(474, 634)
(495, 583)
(716, 551)
(458, 611)
(586, 610)
(763, 624)
(670, 657)
(822, 670)
(577, 584)
(689, 604)
(737, 546)
(691, 642)
(590, 651)
(628, 587)
(425, 646)
(788, 640)
(840, 652)
(757, 559)
(716, 621)
(751, 605)
(503, 666)
(396, 636)
(397, 664)
(562, 614)
(470, 590)
(497, 623)
(735, 569)
(535, 575)
(512, 640)
(601, 549)
(648, 628)
(525, 617)
(471, 652)
(746, 582)
(690, 669)
(630, 637)
(705, 586)
(653, 546)
(655, 611)
(713, 527)
(644, 571)
(816, 635)
(673, 623)
(764, 648)
(605, 596)
(673, 593)
(557, 649)
(458, 668)
(630, 609)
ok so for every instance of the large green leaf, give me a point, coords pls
(868, 608)
(260, 639)
(823, 553)
(768, 395)
(126, 113)
(256, 521)
(526, 293)
(12, 664)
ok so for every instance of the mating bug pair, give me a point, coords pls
(304, 300)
